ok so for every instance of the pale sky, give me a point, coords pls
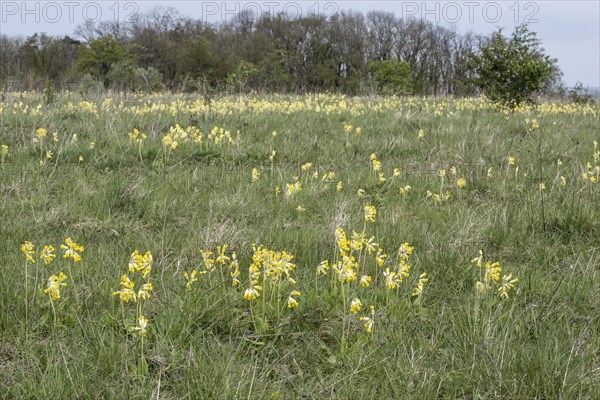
(569, 30)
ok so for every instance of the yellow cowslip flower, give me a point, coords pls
(191, 278)
(135, 260)
(277, 191)
(453, 170)
(142, 326)
(442, 173)
(55, 137)
(542, 186)
(28, 250)
(92, 145)
(144, 264)
(507, 283)
(71, 249)
(492, 271)
(49, 154)
(292, 302)
(563, 181)
(418, 291)
(340, 239)
(40, 134)
(376, 165)
(392, 281)
(48, 254)
(222, 258)
(292, 189)
(4, 149)
(328, 177)
(80, 158)
(209, 263)
(306, 166)
(361, 192)
(370, 245)
(322, 268)
(234, 262)
(461, 183)
(382, 177)
(380, 257)
(274, 133)
(365, 281)
(346, 269)
(405, 251)
(370, 213)
(54, 285)
(403, 270)
(272, 155)
(300, 209)
(251, 293)
(170, 142)
(137, 136)
(358, 240)
(348, 128)
(255, 175)
(396, 172)
(339, 186)
(405, 189)
(144, 292)
(369, 321)
(490, 173)
(355, 306)
(511, 161)
(421, 134)
(532, 124)
(127, 293)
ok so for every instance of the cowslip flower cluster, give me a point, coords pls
(359, 258)
(141, 327)
(369, 321)
(39, 135)
(370, 213)
(490, 277)
(377, 168)
(592, 172)
(178, 135)
(349, 130)
(137, 136)
(292, 188)
(48, 254)
(218, 135)
(418, 291)
(28, 250)
(139, 266)
(215, 261)
(71, 250)
(54, 285)
(255, 175)
(270, 269)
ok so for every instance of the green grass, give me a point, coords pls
(543, 342)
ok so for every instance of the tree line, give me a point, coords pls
(349, 52)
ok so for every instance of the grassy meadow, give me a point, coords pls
(312, 247)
